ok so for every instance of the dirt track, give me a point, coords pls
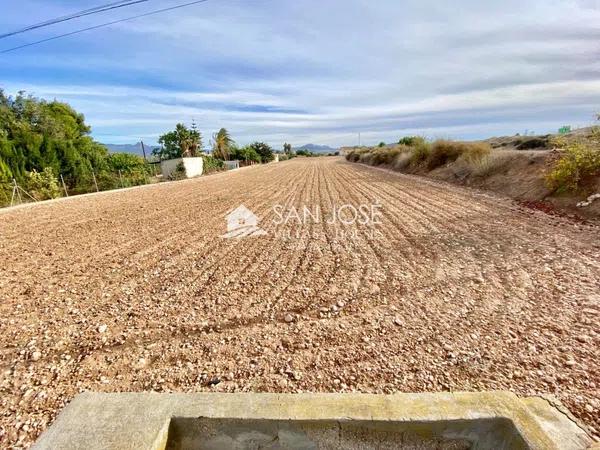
(135, 290)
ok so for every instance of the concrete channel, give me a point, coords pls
(490, 420)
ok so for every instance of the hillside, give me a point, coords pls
(314, 148)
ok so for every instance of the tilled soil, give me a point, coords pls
(136, 290)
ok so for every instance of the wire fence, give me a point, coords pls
(15, 192)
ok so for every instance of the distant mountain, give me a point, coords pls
(136, 149)
(317, 148)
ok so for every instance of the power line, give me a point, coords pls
(85, 12)
(158, 11)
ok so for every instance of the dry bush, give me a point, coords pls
(366, 158)
(420, 153)
(443, 152)
(401, 161)
(384, 156)
(354, 155)
(497, 162)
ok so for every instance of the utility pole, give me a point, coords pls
(144, 151)
(359, 138)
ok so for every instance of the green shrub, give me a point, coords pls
(263, 150)
(246, 153)
(179, 173)
(126, 163)
(412, 141)
(579, 163)
(212, 164)
(42, 185)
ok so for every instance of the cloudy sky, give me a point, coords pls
(315, 71)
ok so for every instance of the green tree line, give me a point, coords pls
(41, 140)
(44, 142)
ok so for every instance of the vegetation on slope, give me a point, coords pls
(572, 167)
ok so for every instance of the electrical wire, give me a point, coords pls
(86, 12)
(158, 11)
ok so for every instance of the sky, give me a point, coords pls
(314, 71)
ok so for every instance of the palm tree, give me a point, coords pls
(222, 144)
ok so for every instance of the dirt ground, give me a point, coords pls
(135, 290)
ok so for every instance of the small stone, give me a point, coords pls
(397, 322)
(289, 318)
(340, 304)
(448, 347)
(570, 363)
(35, 356)
(589, 408)
(102, 328)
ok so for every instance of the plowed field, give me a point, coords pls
(136, 290)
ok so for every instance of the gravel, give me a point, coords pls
(136, 291)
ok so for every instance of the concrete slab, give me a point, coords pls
(491, 420)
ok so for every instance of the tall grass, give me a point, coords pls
(421, 154)
(444, 152)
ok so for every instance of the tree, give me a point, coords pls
(304, 152)
(245, 154)
(264, 151)
(381, 144)
(182, 142)
(36, 134)
(222, 144)
(287, 148)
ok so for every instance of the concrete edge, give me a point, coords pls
(141, 420)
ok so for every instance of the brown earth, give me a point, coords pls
(135, 290)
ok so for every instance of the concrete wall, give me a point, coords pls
(232, 165)
(193, 166)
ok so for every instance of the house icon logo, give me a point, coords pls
(241, 223)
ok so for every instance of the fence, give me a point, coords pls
(15, 192)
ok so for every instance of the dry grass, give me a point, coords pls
(421, 154)
(444, 152)
(497, 162)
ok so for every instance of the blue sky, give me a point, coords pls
(315, 71)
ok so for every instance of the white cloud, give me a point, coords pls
(322, 71)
